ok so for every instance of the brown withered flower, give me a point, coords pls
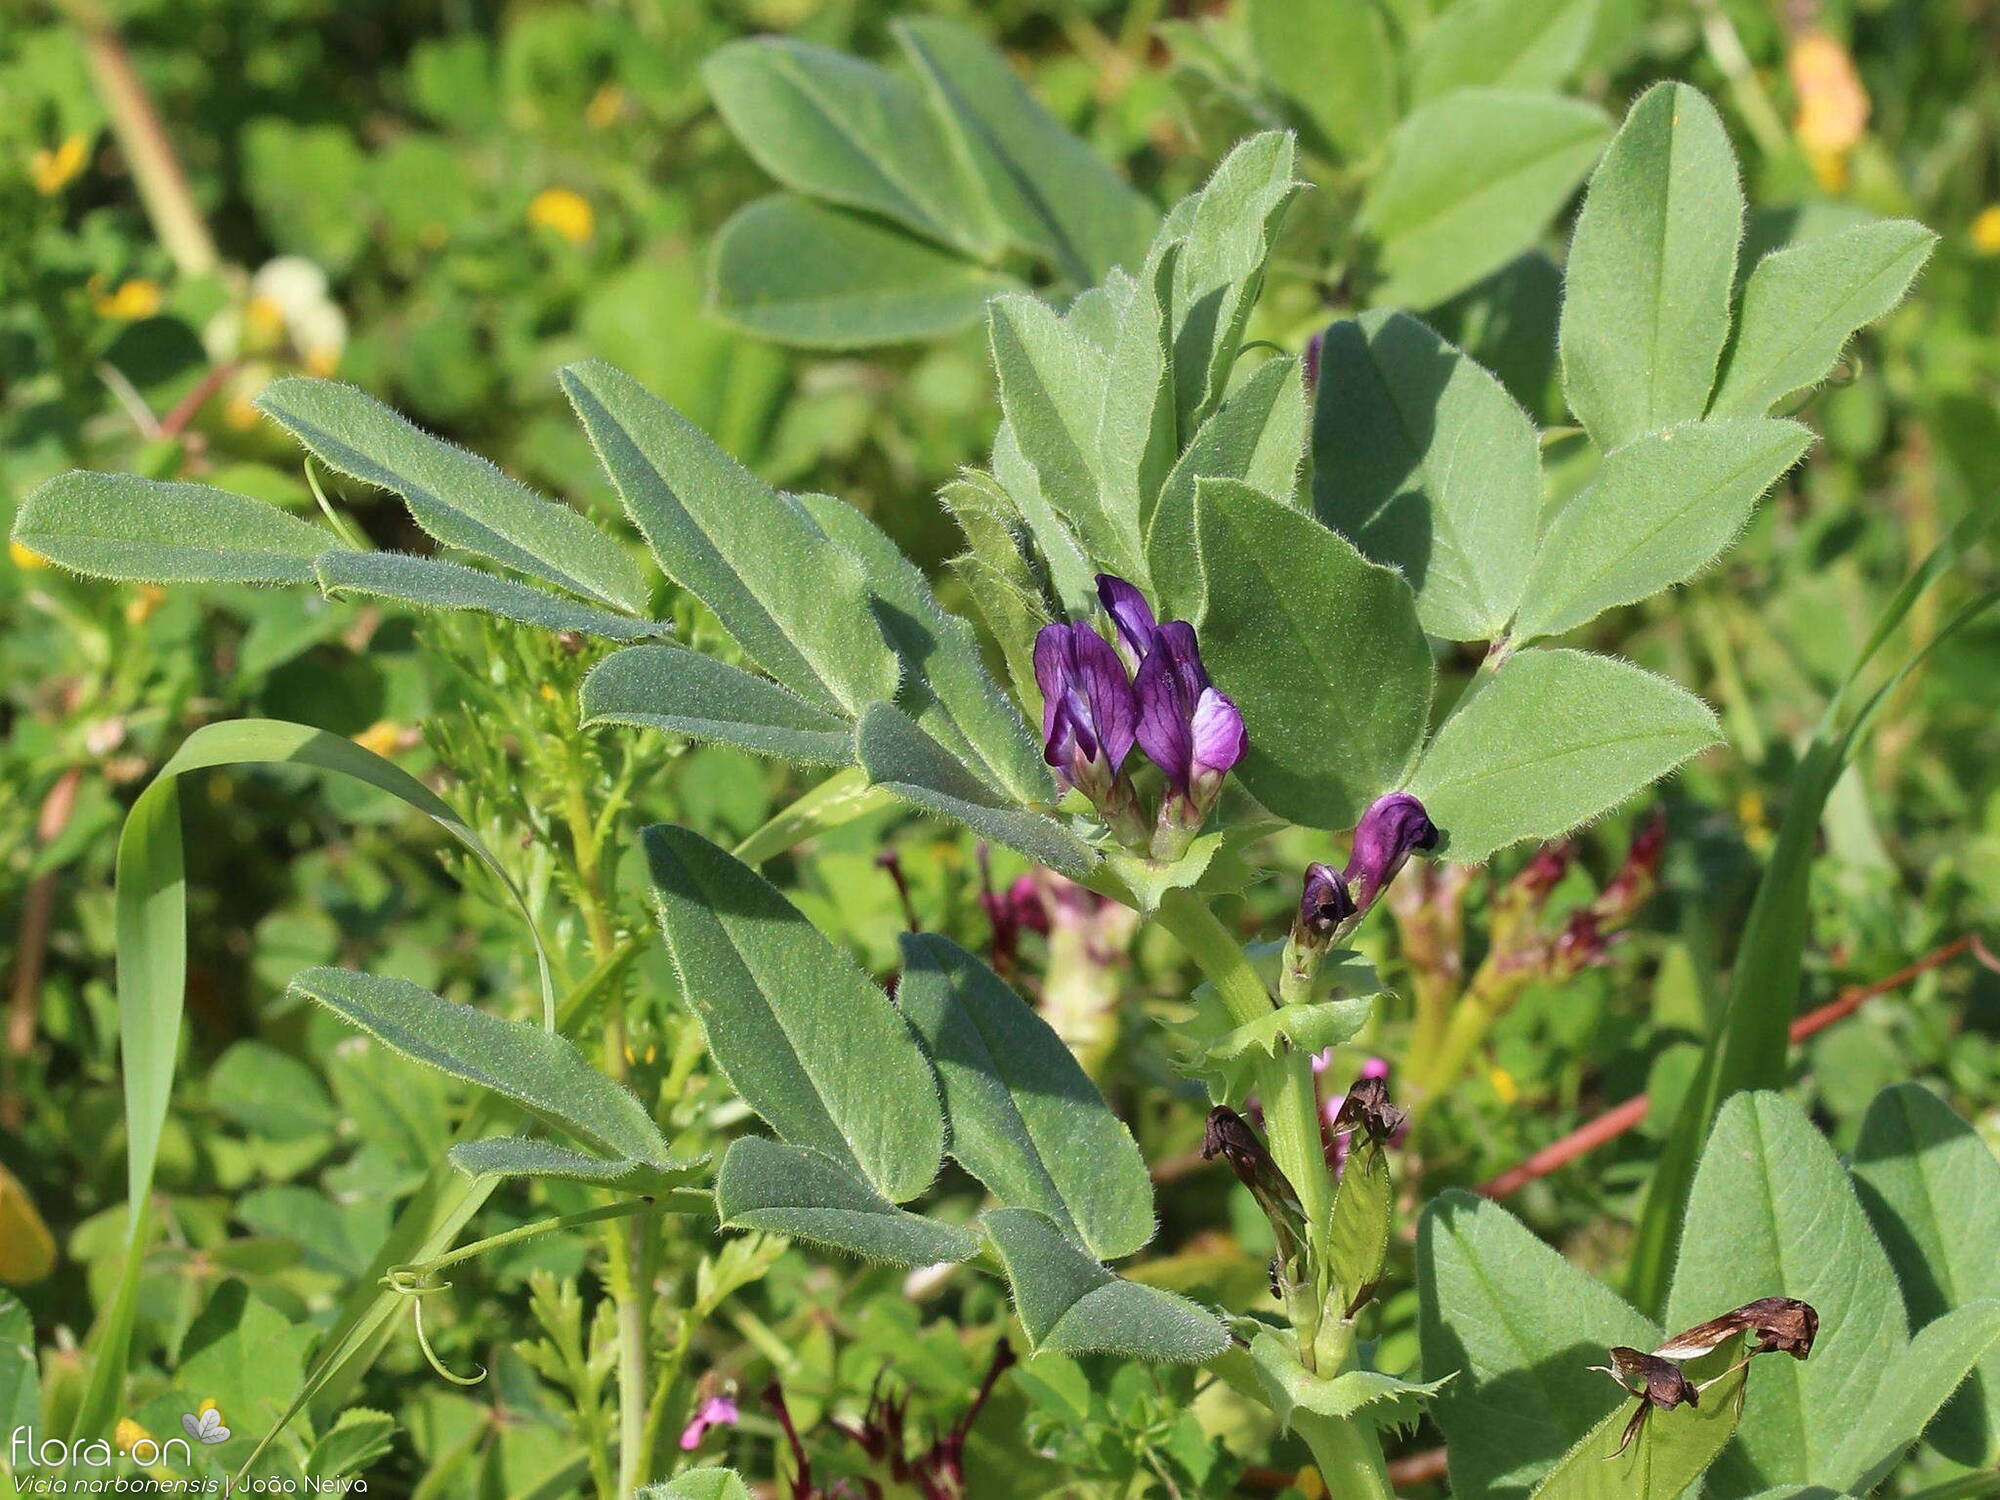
(1367, 1107)
(1775, 1325)
(1658, 1383)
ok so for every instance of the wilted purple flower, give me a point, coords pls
(715, 1411)
(1088, 707)
(1388, 831)
(1324, 902)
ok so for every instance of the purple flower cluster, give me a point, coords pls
(1149, 690)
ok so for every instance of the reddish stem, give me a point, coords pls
(1615, 1122)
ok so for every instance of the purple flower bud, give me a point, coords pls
(1315, 347)
(1088, 708)
(1388, 831)
(1130, 613)
(1324, 903)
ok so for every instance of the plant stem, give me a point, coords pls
(149, 153)
(1285, 1082)
(841, 798)
(633, 1390)
(1347, 1455)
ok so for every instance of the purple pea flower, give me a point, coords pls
(1088, 707)
(1149, 689)
(715, 1411)
(1187, 728)
(1387, 833)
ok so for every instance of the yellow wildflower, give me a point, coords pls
(140, 607)
(52, 171)
(1504, 1085)
(382, 737)
(25, 558)
(134, 299)
(27, 1249)
(265, 319)
(1986, 230)
(1833, 105)
(605, 107)
(129, 1434)
(322, 361)
(565, 211)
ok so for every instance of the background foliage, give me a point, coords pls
(444, 205)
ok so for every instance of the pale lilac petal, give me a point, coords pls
(1217, 731)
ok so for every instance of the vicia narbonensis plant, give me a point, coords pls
(1227, 599)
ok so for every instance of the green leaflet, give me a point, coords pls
(520, 1156)
(895, 753)
(795, 601)
(1670, 1453)
(849, 132)
(1226, 233)
(1023, 1116)
(1651, 267)
(542, 1072)
(1054, 196)
(1931, 1188)
(1519, 44)
(1321, 650)
(122, 526)
(1054, 386)
(1357, 1235)
(1334, 62)
(1520, 1325)
(1258, 436)
(1660, 510)
(686, 693)
(946, 687)
(1473, 179)
(808, 1040)
(1773, 1214)
(1554, 739)
(456, 496)
(1802, 304)
(1909, 1393)
(862, 284)
(1070, 1304)
(796, 1191)
(434, 583)
(1000, 571)
(356, 1440)
(699, 1484)
(1426, 463)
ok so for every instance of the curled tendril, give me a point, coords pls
(409, 1281)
